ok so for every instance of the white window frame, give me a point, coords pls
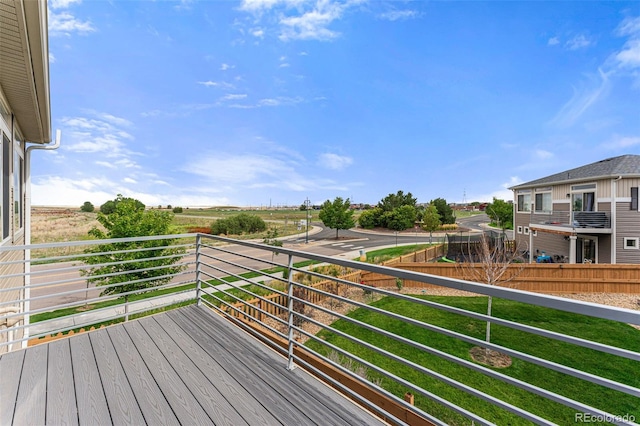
(526, 201)
(19, 189)
(542, 192)
(519, 229)
(526, 230)
(635, 243)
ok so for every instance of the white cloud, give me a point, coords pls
(542, 154)
(582, 100)
(257, 32)
(220, 84)
(224, 67)
(129, 180)
(52, 59)
(281, 100)
(334, 161)
(553, 41)
(64, 23)
(299, 19)
(397, 15)
(629, 56)
(63, 4)
(622, 142)
(578, 42)
(233, 97)
(629, 26)
(284, 65)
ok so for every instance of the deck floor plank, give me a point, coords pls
(123, 407)
(252, 410)
(31, 401)
(175, 391)
(285, 411)
(61, 393)
(92, 404)
(219, 409)
(10, 371)
(320, 396)
(186, 366)
(149, 396)
(286, 383)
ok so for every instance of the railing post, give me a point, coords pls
(198, 284)
(290, 364)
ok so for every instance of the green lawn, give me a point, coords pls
(604, 331)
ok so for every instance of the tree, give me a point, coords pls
(369, 219)
(399, 199)
(177, 210)
(498, 261)
(87, 207)
(430, 220)
(501, 212)
(444, 210)
(400, 218)
(110, 206)
(337, 214)
(124, 262)
(272, 239)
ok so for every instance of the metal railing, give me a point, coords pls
(383, 340)
(573, 219)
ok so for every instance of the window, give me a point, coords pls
(583, 200)
(634, 198)
(524, 202)
(526, 230)
(519, 229)
(631, 243)
(534, 232)
(543, 202)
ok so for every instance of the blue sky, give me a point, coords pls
(259, 102)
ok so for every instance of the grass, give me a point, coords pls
(382, 255)
(616, 334)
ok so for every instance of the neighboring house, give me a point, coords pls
(587, 214)
(25, 117)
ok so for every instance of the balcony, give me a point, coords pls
(587, 222)
(245, 333)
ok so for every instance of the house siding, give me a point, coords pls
(628, 225)
(551, 244)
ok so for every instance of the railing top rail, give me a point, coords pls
(94, 242)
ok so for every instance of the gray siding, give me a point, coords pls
(551, 244)
(628, 225)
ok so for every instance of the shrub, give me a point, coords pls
(87, 207)
(177, 209)
(242, 223)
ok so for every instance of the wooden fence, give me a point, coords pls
(538, 277)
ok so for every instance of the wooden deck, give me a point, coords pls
(186, 366)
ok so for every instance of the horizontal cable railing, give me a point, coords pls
(315, 311)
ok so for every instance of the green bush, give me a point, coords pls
(177, 209)
(242, 223)
(87, 207)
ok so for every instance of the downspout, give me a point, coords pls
(614, 214)
(27, 231)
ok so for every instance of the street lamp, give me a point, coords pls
(306, 238)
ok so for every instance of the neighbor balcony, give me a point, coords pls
(579, 222)
(246, 333)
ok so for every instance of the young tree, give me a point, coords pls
(337, 214)
(430, 220)
(501, 212)
(272, 239)
(87, 207)
(134, 270)
(498, 262)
